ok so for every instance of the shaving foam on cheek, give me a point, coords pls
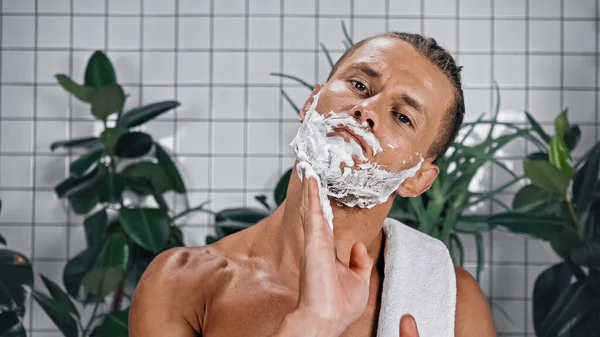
(364, 184)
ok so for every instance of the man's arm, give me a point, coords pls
(473, 316)
(165, 302)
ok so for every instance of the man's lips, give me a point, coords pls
(348, 135)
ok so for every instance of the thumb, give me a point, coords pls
(360, 261)
(408, 326)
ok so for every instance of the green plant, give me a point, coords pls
(119, 185)
(562, 206)
(16, 281)
(443, 211)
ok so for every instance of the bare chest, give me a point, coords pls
(248, 307)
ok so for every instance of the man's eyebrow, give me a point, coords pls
(365, 68)
(413, 103)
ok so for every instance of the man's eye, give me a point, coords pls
(404, 119)
(359, 86)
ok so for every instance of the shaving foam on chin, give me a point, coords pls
(364, 185)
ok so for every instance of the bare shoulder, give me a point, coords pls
(173, 291)
(473, 315)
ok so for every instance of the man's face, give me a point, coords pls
(401, 96)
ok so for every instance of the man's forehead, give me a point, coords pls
(383, 51)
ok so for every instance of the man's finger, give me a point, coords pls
(319, 237)
(360, 261)
(408, 327)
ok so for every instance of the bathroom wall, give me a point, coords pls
(232, 131)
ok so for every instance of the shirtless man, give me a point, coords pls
(290, 275)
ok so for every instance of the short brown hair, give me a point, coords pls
(429, 48)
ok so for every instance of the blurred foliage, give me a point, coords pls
(119, 183)
(16, 282)
(562, 207)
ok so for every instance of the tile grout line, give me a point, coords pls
(210, 102)
(491, 179)
(1, 87)
(526, 148)
(34, 143)
(246, 125)
(175, 151)
(281, 101)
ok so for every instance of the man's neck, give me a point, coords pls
(351, 225)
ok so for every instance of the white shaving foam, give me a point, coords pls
(364, 184)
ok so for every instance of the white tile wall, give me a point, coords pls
(231, 133)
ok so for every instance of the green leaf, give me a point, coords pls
(111, 187)
(544, 227)
(164, 160)
(108, 100)
(210, 240)
(572, 137)
(561, 124)
(327, 55)
(228, 227)
(16, 274)
(109, 268)
(455, 241)
(148, 227)
(533, 199)
(175, 237)
(95, 227)
(585, 181)
(538, 156)
(565, 242)
(133, 144)
(72, 185)
(116, 324)
(262, 199)
(245, 215)
(560, 156)
(295, 79)
(588, 255)
(83, 202)
(63, 320)
(110, 136)
(141, 115)
(346, 34)
(480, 254)
(86, 143)
(76, 268)
(537, 127)
(9, 320)
(82, 92)
(99, 71)
(281, 188)
(136, 174)
(83, 164)
(60, 297)
(472, 224)
(546, 291)
(571, 306)
(546, 175)
(290, 101)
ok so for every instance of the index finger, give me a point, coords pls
(317, 234)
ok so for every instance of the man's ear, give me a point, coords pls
(421, 181)
(309, 101)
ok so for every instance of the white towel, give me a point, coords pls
(419, 279)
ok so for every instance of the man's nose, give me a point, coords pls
(366, 113)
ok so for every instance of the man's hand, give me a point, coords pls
(332, 294)
(408, 327)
